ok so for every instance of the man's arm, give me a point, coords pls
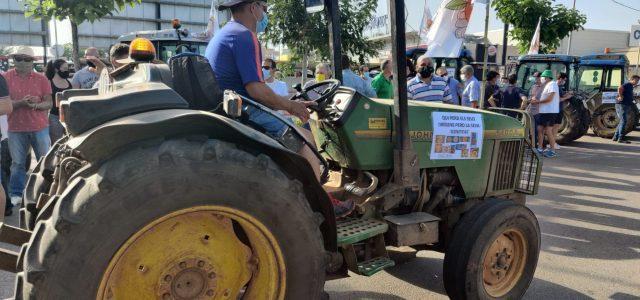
(474, 94)
(46, 103)
(620, 92)
(260, 92)
(5, 101)
(75, 80)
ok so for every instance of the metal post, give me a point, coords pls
(43, 24)
(569, 46)
(504, 45)
(638, 61)
(55, 32)
(335, 41)
(486, 54)
(405, 159)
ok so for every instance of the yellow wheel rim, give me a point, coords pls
(195, 253)
(504, 262)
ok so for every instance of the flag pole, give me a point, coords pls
(486, 55)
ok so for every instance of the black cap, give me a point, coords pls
(231, 3)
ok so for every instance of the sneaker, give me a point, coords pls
(16, 200)
(550, 154)
(342, 208)
(621, 141)
(540, 150)
(557, 147)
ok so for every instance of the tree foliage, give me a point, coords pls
(303, 33)
(556, 23)
(78, 11)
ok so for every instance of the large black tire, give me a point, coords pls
(69, 251)
(575, 121)
(474, 234)
(605, 121)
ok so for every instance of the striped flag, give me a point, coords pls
(535, 41)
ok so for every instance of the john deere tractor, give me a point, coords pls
(599, 77)
(151, 196)
(575, 116)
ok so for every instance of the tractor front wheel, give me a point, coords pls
(493, 252)
(180, 220)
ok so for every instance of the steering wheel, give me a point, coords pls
(325, 93)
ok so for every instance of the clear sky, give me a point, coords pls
(601, 14)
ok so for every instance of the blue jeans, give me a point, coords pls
(622, 110)
(20, 143)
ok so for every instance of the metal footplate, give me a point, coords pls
(362, 245)
(375, 265)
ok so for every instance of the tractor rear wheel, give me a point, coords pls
(493, 252)
(605, 121)
(180, 220)
(575, 121)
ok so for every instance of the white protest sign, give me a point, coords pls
(456, 135)
(609, 97)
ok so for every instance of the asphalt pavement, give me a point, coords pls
(588, 207)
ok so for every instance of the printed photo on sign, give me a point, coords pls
(456, 135)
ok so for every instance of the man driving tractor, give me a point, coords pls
(235, 56)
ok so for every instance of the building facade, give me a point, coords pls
(16, 29)
(148, 15)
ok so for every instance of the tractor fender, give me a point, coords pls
(108, 139)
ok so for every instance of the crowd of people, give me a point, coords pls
(29, 117)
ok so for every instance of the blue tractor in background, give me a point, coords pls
(599, 76)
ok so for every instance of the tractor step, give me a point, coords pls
(372, 266)
(351, 231)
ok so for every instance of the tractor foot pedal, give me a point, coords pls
(375, 265)
(351, 231)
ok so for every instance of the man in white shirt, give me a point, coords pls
(548, 107)
(268, 73)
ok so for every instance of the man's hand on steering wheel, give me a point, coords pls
(329, 88)
(299, 109)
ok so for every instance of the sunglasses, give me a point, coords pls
(21, 59)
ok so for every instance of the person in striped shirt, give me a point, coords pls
(426, 86)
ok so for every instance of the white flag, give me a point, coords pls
(535, 41)
(425, 23)
(447, 32)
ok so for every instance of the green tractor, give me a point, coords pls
(147, 197)
(575, 115)
(599, 77)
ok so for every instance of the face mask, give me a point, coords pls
(261, 25)
(266, 73)
(502, 85)
(24, 66)
(321, 77)
(366, 74)
(90, 64)
(425, 71)
(463, 77)
(532, 79)
(445, 77)
(544, 80)
(63, 74)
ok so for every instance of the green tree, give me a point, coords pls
(303, 33)
(78, 11)
(557, 21)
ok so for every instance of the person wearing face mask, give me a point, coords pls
(87, 76)
(234, 54)
(564, 96)
(30, 94)
(548, 105)
(471, 90)
(426, 86)
(57, 72)
(268, 73)
(492, 93)
(350, 79)
(382, 82)
(454, 85)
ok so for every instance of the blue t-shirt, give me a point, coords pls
(235, 57)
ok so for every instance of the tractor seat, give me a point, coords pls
(194, 80)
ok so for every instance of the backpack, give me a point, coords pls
(195, 81)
